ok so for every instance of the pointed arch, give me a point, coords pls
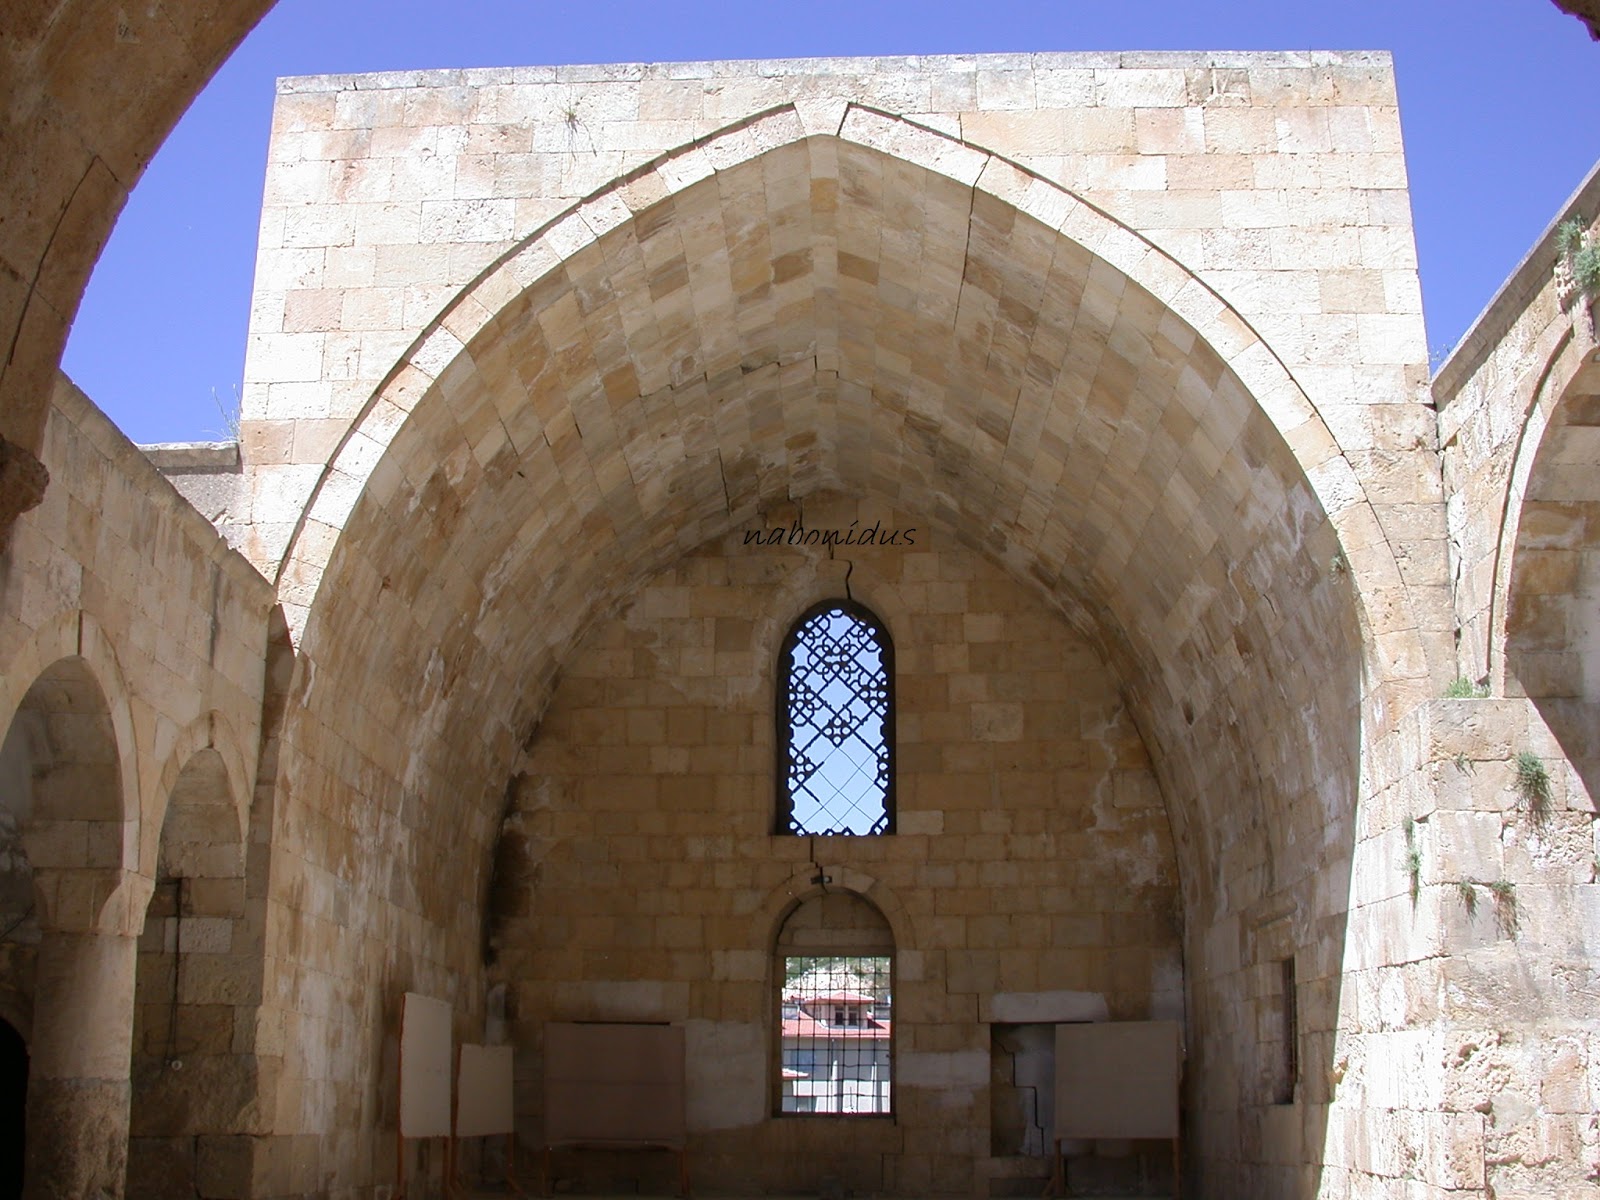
(210, 747)
(852, 305)
(1547, 586)
(439, 360)
(195, 977)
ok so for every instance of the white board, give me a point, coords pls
(424, 1067)
(483, 1091)
(1118, 1079)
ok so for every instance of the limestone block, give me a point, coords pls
(466, 220)
(1463, 845)
(285, 357)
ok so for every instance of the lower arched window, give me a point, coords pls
(835, 978)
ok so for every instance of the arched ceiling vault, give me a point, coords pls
(843, 314)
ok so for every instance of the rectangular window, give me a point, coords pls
(835, 1034)
(1291, 1032)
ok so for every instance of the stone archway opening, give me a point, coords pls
(827, 318)
(63, 751)
(1552, 632)
(194, 964)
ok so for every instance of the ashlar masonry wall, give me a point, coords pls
(132, 640)
(1278, 179)
(1031, 876)
(1248, 527)
(1506, 811)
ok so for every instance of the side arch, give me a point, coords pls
(213, 732)
(1565, 374)
(74, 762)
(1548, 579)
(195, 985)
(74, 636)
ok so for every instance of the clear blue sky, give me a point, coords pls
(1497, 99)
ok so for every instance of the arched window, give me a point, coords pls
(836, 723)
(834, 972)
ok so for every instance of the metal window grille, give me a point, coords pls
(836, 1018)
(836, 724)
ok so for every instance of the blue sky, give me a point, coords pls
(1497, 101)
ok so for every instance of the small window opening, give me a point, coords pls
(1291, 1032)
(840, 1065)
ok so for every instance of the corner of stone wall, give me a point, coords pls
(1467, 1055)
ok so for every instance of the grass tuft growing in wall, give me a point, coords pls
(1533, 784)
(1582, 253)
(1413, 861)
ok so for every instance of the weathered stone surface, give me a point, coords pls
(1131, 344)
(77, 1139)
(162, 1168)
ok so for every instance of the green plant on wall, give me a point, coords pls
(1504, 894)
(1569, 236)
(1582, 254)
(1462, 688)
(1413, 861)
(1533, 784)
(1586, 269)
(1505, 905)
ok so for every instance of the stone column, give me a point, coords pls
(78, 1071)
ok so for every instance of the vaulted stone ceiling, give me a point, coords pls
(826, 317)
(92, 89)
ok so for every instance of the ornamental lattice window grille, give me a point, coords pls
(836, 723)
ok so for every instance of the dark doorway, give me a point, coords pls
(13, 1107)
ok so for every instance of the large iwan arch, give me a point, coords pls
(1173, 630)
(830, 301)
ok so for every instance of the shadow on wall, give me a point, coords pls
(13, 1109)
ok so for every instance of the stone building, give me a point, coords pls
(1243, 675)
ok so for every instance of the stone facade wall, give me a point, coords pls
(133, 640)
(1134, 339)
(1466, 1049)
(1277, 178)
(183, 616)
(1497, 394)
(1032, 870)
(826, 296)
(1501, 817)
